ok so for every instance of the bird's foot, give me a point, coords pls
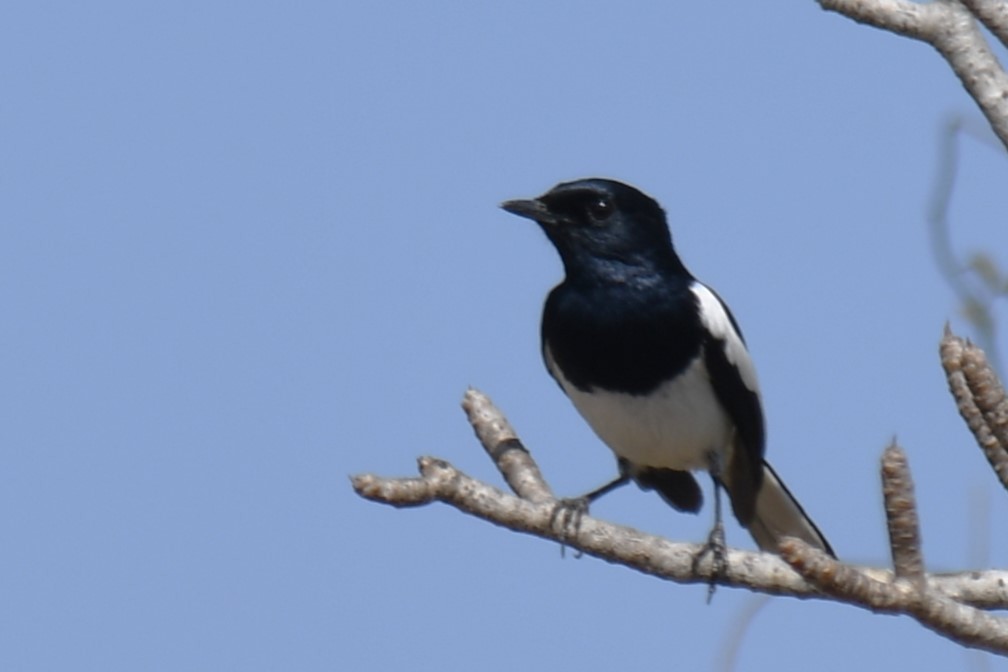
(718, 550)
(567, 514)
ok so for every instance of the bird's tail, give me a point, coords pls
(778, 514)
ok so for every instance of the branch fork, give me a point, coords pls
(954, 605)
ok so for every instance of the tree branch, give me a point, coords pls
(649, 554)
(504, 447)
(614, 543)
(993, 14)
(949, 27)
(959, 622)
(439, 481)
(950, 604)
(909, 592)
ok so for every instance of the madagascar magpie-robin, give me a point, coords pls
(654, 361)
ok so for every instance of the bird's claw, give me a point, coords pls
(716, 547)
(567, 514)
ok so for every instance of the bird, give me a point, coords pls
(655, 363)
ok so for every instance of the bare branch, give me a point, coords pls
(983, 590)
(949, 604)
(505, 448)
(903, 17)
(993, 14)
(614, 543)
(901, 516)
(961, 623)
(441, 482)
(762, 572)
(399, 492)
(980, 398)
(949, 27)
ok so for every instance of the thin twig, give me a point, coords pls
(504, 447)
(728, 656)
(976, 281)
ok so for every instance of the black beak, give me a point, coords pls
(530, 208)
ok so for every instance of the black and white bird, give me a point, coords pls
(654, 361)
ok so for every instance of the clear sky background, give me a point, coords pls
(250, 249)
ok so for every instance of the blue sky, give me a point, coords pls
(249, 249)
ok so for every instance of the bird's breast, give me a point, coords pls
(621, 339)
(675, 426)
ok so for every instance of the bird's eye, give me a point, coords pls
(600, 209)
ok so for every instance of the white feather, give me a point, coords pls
(677, 426)
(715, 319)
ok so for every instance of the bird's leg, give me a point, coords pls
(590, 497)
(715, 545)
(569, 510)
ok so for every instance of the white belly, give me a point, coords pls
(669, 428)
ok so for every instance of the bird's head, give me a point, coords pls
(600, 225)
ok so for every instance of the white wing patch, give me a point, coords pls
(715, 319)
